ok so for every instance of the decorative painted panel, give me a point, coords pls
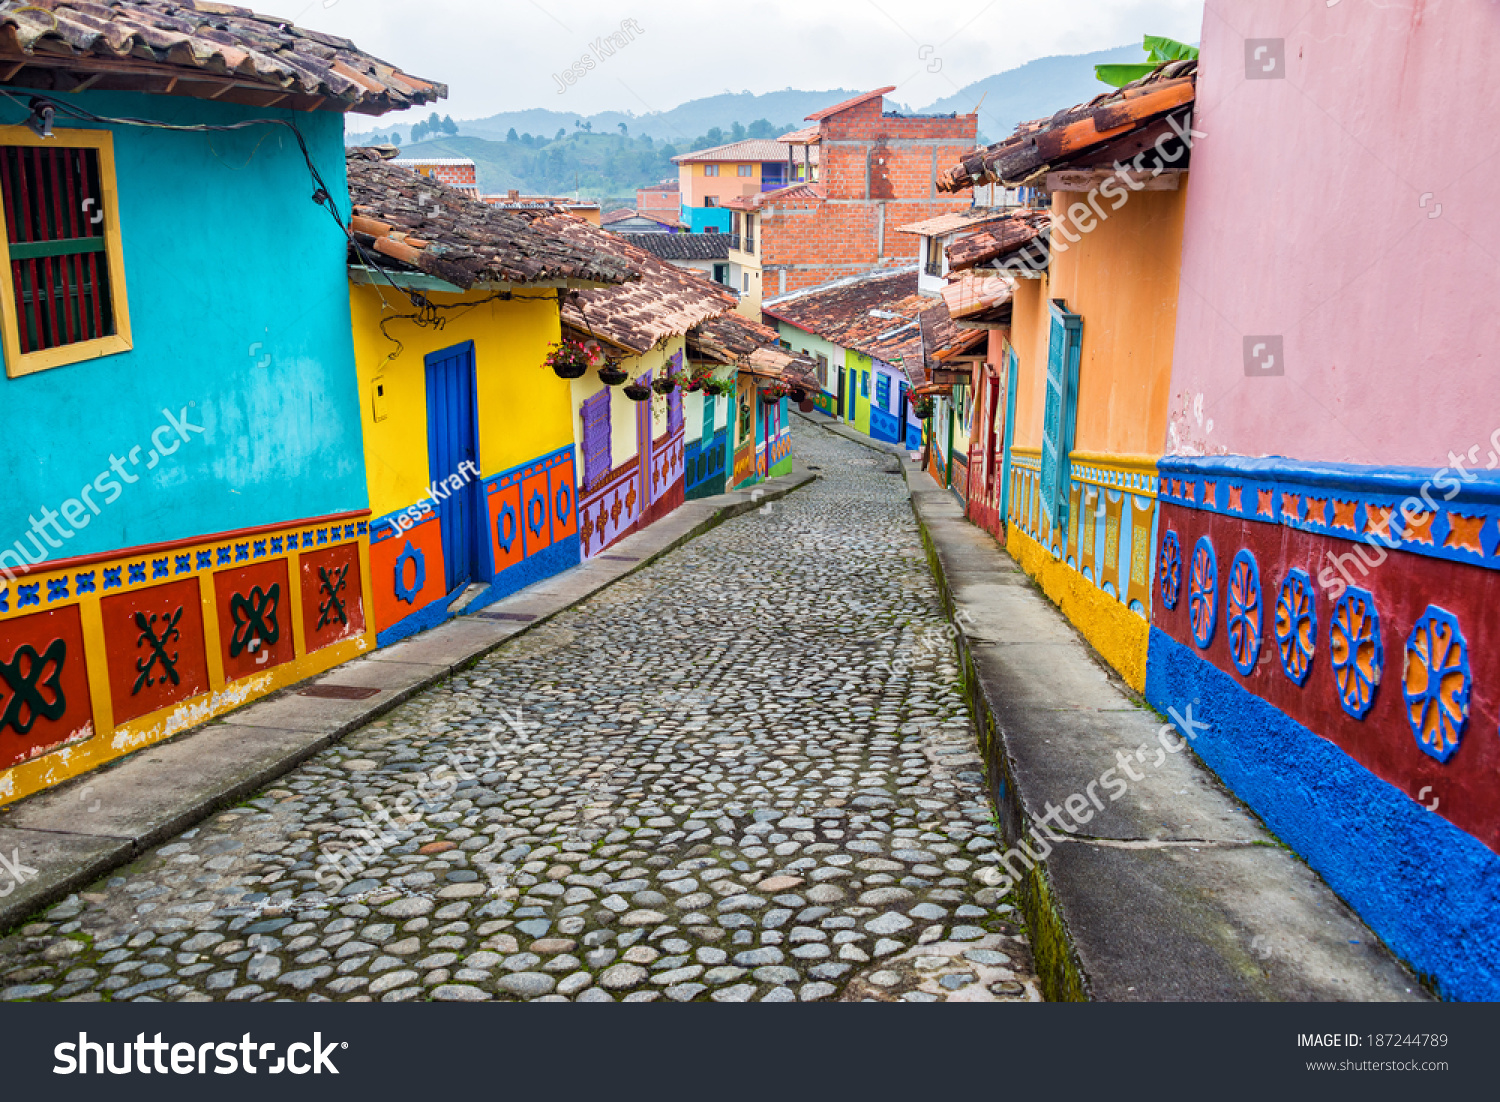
(333, 607)
(254, 608)
(195, 652)
(44, 685)
(154, 639)
(610, 512)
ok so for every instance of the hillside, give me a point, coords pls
(610, 154)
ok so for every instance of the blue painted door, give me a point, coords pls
(453, 450)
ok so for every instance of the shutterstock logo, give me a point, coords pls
(1264, 356)
(87, 1057)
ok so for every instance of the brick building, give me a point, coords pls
(459, 172)
(876, 172)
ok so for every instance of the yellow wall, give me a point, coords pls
(1122, 277)
(523, 406)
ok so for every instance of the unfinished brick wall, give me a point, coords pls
(878, 172)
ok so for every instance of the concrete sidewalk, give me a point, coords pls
(67, 837)
(1173, 890)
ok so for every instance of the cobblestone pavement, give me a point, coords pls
(743, 773)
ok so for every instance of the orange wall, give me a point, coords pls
(1122, 277)
(1029, 332)
(728, 184)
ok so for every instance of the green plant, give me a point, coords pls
(567, 354)
(1158, 51)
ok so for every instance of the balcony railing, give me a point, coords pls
(734, 241)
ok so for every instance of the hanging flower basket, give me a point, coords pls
(798, 395)
(569, 359)
(774, 393)
(637, 392)
(665, 385)
(611, 375)
(922, 407)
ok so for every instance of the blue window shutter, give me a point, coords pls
(1061, 413)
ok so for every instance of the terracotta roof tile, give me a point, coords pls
(735, 339)
(424, 224)
(954, 221)
(1017, 231)
(1071, 136)
(848, 103)
(120, 41)
(667, 301)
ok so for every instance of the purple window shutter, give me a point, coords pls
(674, 411)
(596, 458)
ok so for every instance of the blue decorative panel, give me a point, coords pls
(410, 554)
(1437, 683)
(1244, 617)
(1297, 625)
(1170, 570)
(1357, 653)
(1203, 592)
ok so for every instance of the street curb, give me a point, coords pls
(40, 824)
(1125, 914)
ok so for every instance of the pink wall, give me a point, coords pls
(1306, 219)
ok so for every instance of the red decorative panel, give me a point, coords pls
(408, 570)
(536, 512)
(333, 606)
(154, 640)
(505, 525)
(254, 608)
(44, 685)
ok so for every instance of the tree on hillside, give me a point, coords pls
(449, 126)
(396, 138)
(511, 136)
(562, 132)
(715, 136)
(624, 130)
(737, 133)
(760, 128)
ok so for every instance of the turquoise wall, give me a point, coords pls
(224, 250)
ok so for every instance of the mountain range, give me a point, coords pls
(611, 153)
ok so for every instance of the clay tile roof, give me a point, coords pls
(751, 149)
(881, 315)
(808, 135)
(667, 301)
(684, 246)
(240, 56)
(735, 339)
(979, 295)
(788, 193)
(1072, 136)
(1017, 231)
(847, 309)
(848, 103)
(407, 222)
(954, 221)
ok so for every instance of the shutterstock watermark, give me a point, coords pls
(1081, 807)
(1382, 537)
(1087, 214)
(59, 525)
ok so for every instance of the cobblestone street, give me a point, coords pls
(743, 773)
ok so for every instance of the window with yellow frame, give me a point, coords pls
(62, 292)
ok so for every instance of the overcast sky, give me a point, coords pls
(501, 55)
